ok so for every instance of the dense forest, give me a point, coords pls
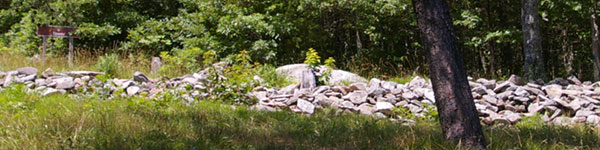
(371, 37)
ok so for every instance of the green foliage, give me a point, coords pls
(356, 33)
(330, 62)
(109, 64)
(209, 58)
(232, 83)
(312, 58)
(182, 62)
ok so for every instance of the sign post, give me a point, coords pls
(57, 31)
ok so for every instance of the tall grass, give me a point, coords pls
(29, 121)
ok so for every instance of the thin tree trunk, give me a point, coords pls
(532, 41)
(491, 42)
(595, 42)
(456, 108)
(568, 57)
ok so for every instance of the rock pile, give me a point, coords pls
(560, 101)
(85, 83)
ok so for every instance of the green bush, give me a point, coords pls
(312, 58)
(181, 62)
(109, 64)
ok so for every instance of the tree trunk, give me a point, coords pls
(456, 108)
(532, 41)
(595, 40)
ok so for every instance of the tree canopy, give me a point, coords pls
(372, 37)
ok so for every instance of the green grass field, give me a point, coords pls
(29, 121)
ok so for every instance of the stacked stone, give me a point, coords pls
(560, 101)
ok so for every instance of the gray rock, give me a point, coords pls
(366, 109)
(535, 108)
(516, 80)
(513, 117)
(430, 96)
(84, 73)
(64, 83)
(48, 73)
(200, 76)
(305, 106)
(401, 103)
(559, 81)
(501, 87)
(8, 80)
(348, 105)
(534, 91)
(376, 91)
(127, 84)
(490, 99)
(562, 121)
(339, 76)
(132, 90)
(573, 80)
(380, 115)
(523, 100)
(358, 86)
(50, 91)
(293, 71)
(263, 108)
(28, 78)
(374, 83)
(585, 113)
(417, 82)
(388, 85)
(320, 90)
(593, 119)
(295, 108)
(357, 97)
(521, 92)
(155, 65)
(384, 107)
(489, 84)
(290, 89)
(140, 77)
(27, 71)
(40, 82)
(308, 79)
(409, 96)
(323, 100)
(553, 91)
(479, 90)
(192, 81)
(397, 91)
(261, 96)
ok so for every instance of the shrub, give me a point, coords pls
(312, 58)
(109, 64)
(181, 62)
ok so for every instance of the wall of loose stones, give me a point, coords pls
(560, 101)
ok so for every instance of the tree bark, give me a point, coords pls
(457, 114)
(532, 41)
(595, 42)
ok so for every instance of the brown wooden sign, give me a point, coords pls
(57, 31)
(60, 32)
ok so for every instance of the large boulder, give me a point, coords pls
(295, 72)
(27, 71)
(339, 76)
